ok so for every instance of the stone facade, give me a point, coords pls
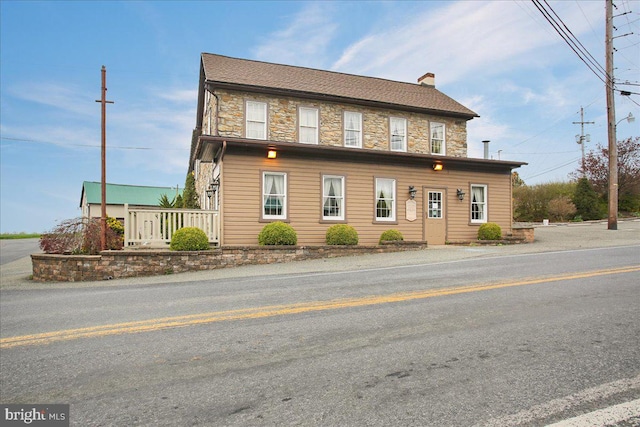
(136, 263)
(282, 119)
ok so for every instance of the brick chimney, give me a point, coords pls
(428, 79)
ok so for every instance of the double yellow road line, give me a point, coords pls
(281, 310)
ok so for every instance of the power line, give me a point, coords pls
(88, 145)
(575, 45)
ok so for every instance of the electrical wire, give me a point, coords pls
(575, 45)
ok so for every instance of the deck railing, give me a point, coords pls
(154, 227)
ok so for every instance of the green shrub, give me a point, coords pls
(189, 239)
(342, 234)
(588, 204)
(277, 233)
(489, 231)
(391, 235)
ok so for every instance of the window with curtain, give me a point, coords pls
(308, 129)
(478, 203)
(385, 199)
(435, 204)
(437, 138)
(333, 197)
(256, 120)
(352, 129)
(274, 195)
(398, 132)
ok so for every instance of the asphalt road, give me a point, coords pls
(15, 249)
(495, 339)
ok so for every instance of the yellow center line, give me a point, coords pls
(281, 310)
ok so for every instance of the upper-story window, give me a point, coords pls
(352, 129)
(385, 199)
(308, 119)
(256, 120)
(332, 197)
(437, 138)
(478, 203)
(398, 134)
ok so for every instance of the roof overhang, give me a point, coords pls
(209, 146)
(212, 85)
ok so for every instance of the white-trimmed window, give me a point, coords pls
(332, 197)
(308, 129)
(352, 129)
(256, 120)
(435, 205)
(385, 199)
(478, 203)
(398, 134)
(274, 195)
(437, 138)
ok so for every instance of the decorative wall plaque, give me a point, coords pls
(411, 210)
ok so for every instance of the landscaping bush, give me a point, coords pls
(91, 242)
(277, 233)
(391, 235)
(489, 231)
(79, 236)
(189, 239)
(561, 209)
(342, 234)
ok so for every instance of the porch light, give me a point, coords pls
(412, 192)
(272, 154)
(215, 185)
(437, 167)
(460, 194)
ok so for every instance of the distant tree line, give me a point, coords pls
(585, 196)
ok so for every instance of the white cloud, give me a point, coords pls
(304, 40)
(66, 98)
(459, 40)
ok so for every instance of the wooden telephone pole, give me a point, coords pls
(103, 202)
(611, 119)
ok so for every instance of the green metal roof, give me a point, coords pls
(120, 194)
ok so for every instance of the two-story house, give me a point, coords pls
(315, 148)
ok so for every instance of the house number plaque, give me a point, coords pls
(411, 210)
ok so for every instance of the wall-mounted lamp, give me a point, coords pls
(213, 187)
(272, 154)
(460, 194)
(437, 167)
(412, 192)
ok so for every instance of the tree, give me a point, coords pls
(165, 203)
(516, 180)
(190, 196)
(588, 205)
(596, 170)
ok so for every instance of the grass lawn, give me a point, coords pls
(19, 236)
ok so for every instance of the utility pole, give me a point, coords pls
(611, 119)
(103, 156)
(582, 138)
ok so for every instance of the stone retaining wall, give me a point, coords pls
(138, 262)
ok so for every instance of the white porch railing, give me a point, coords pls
(155, 226)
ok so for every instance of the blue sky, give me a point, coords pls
(499, 58)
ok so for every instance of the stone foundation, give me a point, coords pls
(138, 262)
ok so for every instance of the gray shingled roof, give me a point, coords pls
(243, 72)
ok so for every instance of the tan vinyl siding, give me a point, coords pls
(243, 197)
